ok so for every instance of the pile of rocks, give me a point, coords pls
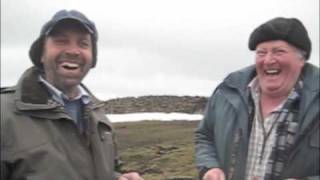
(182, 104)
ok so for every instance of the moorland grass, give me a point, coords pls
(159, 150)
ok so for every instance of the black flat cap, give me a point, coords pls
(290, 30)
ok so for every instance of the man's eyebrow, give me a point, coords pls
(281, 46)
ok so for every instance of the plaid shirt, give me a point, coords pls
(262, 137)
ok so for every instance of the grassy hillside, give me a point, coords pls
(158, 149)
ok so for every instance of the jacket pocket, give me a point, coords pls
(304, 161)
(107, 143)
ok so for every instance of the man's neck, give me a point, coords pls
(71, 93)
(269, 103)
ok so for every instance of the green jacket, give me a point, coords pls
(225, 129)
(40, 141)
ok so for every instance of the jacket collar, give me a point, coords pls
(310, 76)
(309, 104)
(239, 81)
(32, 95)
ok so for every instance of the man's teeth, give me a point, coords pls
(70, 65)
(272, 71)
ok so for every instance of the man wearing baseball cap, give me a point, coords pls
(52, 127)
(262, 122)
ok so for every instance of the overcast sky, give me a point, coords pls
(149, 47)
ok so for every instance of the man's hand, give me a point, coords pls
(130, 176)
(214, 174)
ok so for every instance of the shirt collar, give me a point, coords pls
(59, 96)
(254, 88)
(256, 91)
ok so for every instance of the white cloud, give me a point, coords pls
(149, 46)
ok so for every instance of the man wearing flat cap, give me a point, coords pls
(262, 122)
(52, 127)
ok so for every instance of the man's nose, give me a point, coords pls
(269, 58)
(73, 49)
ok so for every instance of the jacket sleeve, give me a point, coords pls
(116, 175)
(117, 162)
(206, 153)
(4, 171)
(3, 149)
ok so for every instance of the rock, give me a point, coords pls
(183, 104)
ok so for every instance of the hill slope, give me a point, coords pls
(158, 150)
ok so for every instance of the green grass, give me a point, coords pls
(157, 149)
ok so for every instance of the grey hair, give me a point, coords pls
(302, 54)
